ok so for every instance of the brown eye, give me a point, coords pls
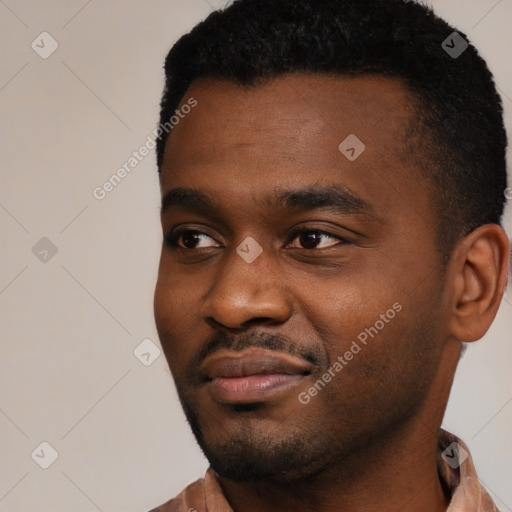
(189, 239)
(317, 239)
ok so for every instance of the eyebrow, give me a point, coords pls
(334, 198)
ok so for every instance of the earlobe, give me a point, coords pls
(479, 273)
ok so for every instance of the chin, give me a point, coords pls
(253, 451)
(251, 456)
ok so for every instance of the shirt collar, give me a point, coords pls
(454, 465)
(459, 478)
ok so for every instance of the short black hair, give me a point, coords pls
(457, 137)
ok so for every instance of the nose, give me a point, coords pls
(244, 294)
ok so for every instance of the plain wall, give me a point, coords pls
(68, 374)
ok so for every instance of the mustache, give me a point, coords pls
(264, 340)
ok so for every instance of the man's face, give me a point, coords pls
(290, 359)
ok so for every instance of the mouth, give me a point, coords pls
(253, 375)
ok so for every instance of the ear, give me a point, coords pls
(479, 267)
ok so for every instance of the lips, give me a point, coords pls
(254, 375)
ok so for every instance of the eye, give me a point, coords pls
(189, 240)
(316, 239)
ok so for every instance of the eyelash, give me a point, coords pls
(172, 239)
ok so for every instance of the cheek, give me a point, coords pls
(173, 313)
(346, 307)
(368, 324)
(173, 296)
(164, 301)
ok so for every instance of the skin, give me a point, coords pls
(367, 440)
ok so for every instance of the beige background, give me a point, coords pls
(68, 375)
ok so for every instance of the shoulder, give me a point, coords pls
(191, 499)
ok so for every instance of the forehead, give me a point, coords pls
(298, 129)
(290, 114)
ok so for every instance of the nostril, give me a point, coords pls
(257, 320)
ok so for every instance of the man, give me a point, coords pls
(331, 205)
